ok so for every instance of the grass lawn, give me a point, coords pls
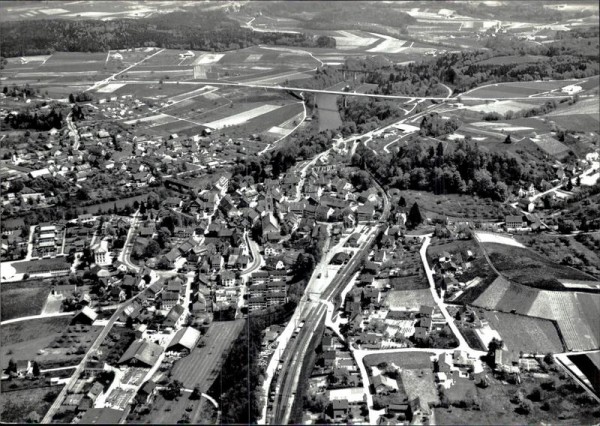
(23, 298)
(526, 267)
(18, 406)
(408, 360)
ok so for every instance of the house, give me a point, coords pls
(383, 384)
(174, 317)
(95, 391)
(147, 392)
(329, 358)
(340, 408)
(365, 213)
(227, 279)
(141, 353)
(514, 222)
(86, 316)
(184, 341)
(354, 395)
(340, 258)
(169, 299)
(425, 311)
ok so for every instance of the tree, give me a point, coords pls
(494, 345)
(569, 186)
(12, 366)
(35, 369)
(152, 249)
(414, 216)
(508, 140)
(196, 393)
(402, 202)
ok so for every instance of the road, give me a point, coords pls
(463, 345)
(34, 317)
(78, 370)
(112, 77)
(73, 129)
(338, 92)
(125, 254)
(254, 251)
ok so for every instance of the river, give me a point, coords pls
(329, 116)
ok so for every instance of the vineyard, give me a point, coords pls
(575, 313)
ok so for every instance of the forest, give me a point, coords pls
(212, 31)
(465, 169)
(573, 55)
(38, 120)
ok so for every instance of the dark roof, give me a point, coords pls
(142, 350)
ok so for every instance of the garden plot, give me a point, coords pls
(346, 40)
(242, 117)
(389, 45)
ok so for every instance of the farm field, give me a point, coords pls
(408, 300)
(22, 339)
(17, 406)
(242, 117)
(525, 266)
(528, 334)
(23, 299)
(201, 366)
(408, 360)
(575, 313)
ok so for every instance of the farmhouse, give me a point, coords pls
(86, 316)
(141, 353)
(184, 341)
(514, 222)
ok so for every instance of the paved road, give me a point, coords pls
(338, 92)
(125, 254)
(34, 317)
(78, 370)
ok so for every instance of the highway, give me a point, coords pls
(339, 92)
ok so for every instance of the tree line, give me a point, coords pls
(206, 30)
